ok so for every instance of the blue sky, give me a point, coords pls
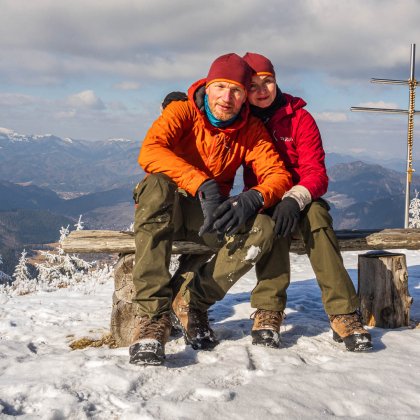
(98, 69)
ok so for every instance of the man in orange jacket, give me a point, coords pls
(191, 155)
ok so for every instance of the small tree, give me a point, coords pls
(414, 222)
(61, 266)
(21, 273)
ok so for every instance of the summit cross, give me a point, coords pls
(412, 83)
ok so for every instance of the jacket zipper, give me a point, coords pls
(213, 146)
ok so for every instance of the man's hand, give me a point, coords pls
(210, 199)
(287, 216)
(235, 211)
(174, 96)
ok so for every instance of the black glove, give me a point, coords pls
(210, 199)
(172, 97)
(287, 216)
(235, 211)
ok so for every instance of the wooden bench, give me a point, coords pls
(376, 287)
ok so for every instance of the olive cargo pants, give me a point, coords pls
(273, 270)
(165, 213)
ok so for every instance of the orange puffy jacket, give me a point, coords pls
(185, 146)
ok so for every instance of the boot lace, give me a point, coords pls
(154, 328)
(351, 322)
(269, 319)
(202, 323)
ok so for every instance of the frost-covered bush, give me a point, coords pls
(60, 270)
(414, 222)
(59, 266)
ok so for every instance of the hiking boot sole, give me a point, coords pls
(355, 342)
(266, 338)
(196, 343)
(142, 355)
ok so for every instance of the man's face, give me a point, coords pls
(225, 99)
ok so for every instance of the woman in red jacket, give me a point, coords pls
(301, 213)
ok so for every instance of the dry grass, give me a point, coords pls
(106, 340)
(415, 324)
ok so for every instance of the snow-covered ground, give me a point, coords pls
(309, 377)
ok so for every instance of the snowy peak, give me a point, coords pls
(6, 131)
(119, 140)
(12, 136)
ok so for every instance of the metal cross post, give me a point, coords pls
(412, 83)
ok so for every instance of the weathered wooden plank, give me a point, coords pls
(108, 241)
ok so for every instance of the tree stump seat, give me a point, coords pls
(193, 256)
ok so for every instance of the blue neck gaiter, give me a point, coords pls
(215, 121)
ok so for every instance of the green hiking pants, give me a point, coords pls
(165, 213)
(273, 269)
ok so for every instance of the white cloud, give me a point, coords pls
(56, 40)
(127, 86)
(65, 114)
(80, 116)
(117, 106)
(380, 104)
(330, 117)
(20, 99)
(86, 99)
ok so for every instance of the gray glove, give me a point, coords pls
(236, 211)
(210, 199)
(287, 216)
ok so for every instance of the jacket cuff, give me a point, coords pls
(195, 179)
(301, 194)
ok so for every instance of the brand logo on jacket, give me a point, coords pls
(282, 138)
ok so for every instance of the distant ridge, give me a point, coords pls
(65, 164)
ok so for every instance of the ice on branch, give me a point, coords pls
(60, 270)
(79, 224)
(60, 266)
(414, 209)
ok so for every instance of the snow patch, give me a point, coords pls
(252, 253)
(40, 377)
(120, 140)
(6, 131)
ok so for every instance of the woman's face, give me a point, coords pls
(263, 91)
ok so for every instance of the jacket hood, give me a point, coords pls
(239, 122)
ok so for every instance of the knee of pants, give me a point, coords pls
(154, 186)
(262, 229)
(155, 197)
(315, 217)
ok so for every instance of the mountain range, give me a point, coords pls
(99, 177)
(68, 165)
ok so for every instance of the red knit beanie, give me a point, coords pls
(259, 64)
(232, 69)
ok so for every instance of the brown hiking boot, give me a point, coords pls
(194, 325)
(266, 329)
(150, 337)
(349, 329)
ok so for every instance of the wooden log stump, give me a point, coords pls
(124, 311)
(383, 290)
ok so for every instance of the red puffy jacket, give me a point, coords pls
(298, 141)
